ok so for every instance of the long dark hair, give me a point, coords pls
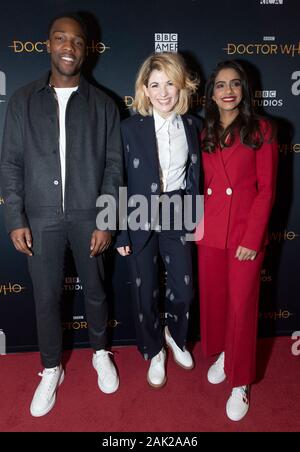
(246, 124)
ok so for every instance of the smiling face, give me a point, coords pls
(162, 93)
(67, 46)
(227, 92)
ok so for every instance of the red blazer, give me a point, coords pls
(239, 190)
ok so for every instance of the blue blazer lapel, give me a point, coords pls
(193, 170)
(148, 137)
(147, 128)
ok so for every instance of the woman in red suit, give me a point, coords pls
(239, 162)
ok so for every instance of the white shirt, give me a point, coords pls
(172, 151)
(63, 95)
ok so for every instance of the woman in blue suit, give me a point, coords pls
(162, 163)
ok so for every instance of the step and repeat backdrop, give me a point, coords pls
(261, 34)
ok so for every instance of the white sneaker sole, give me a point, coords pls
(237, 418)
(108, 391)
(216, 382)
(155, 385)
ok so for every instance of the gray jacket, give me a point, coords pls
(30, 160)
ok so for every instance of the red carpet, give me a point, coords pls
(187, 403)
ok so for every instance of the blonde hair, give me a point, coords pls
(174, 66)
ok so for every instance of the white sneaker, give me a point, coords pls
(45, 395)
(216, 374)
(108, 380)
(238, 403)
(156, 375)
(182, 358)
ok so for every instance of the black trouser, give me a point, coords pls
(46, 267)
(176, 254)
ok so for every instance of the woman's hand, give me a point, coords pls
(244, 254)
(124, 250)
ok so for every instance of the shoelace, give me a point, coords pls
(158, 358)
(48, 372)
(241, 391)
(103, 353)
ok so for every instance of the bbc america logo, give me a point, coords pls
(166, 42)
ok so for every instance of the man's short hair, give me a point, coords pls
(73, 16)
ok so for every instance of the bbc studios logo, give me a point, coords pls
(264, 48)
(271, 2)
(267, 98)
(265, 277)
(296, 84)
(2, 86)
(72, 283)
(166, 42)
(30, 47)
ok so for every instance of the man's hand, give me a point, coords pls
(244, 254)
(100, 241)
(22, 240)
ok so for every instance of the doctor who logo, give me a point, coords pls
(264, 49)
(288, 148)
(128, 101)
(275, 315)
(278, 236)
(11, 288)
(40, 47)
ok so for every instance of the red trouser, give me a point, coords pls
(229, 293)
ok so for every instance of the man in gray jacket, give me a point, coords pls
(61, 151)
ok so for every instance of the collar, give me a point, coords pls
(159, 121)
(83, 88)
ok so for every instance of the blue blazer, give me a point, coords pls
(142, 166)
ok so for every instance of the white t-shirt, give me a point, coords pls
(63, 95)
